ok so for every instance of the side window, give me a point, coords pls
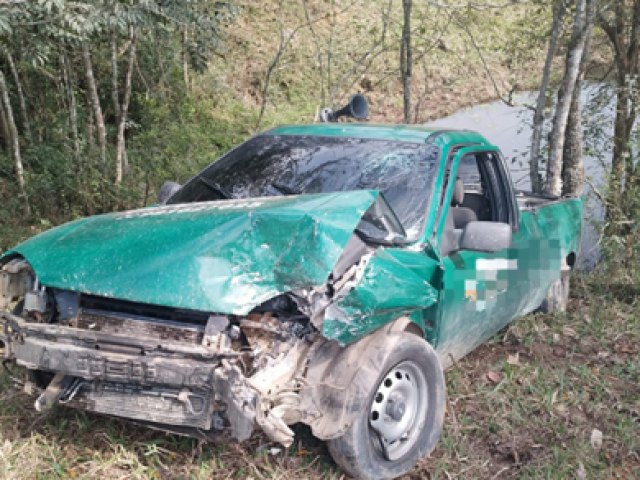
(475, 191)
(487, 195)
(470, 174)
(499, 193)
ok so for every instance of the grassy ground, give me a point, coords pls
(550, 397)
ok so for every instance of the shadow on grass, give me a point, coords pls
(83, 444)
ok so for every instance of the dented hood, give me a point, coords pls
(224, 256)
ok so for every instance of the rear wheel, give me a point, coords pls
(557, 296)
(404, 415)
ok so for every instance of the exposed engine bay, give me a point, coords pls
(185, 371)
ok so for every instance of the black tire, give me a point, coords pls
(557, 295)
(359, 451)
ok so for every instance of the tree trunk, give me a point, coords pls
(406, 59)
(26, 124)
(633, 168)
(69, 82)
(622, 161)
(284, 41)
(559, 10)
(114, 76)
(90, 124)
(623, 33)
(617, 191)
(572, 155)
(95, 103)
(120, 141)
(319, 61)
(581, 25)
(185, 59)
(14, 142)
(6, 136)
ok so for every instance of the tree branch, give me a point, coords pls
(506, 100)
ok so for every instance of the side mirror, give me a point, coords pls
(487, 237)
(167, 190)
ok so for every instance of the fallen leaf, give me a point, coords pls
(513, 359)
(624, 347)
(596, 439)
(569, 332)
(494, 377)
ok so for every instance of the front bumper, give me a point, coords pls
(172, 384)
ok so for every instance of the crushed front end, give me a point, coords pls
(215, 334)
(184, 371)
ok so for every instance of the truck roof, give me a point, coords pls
(396, 132)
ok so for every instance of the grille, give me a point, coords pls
(139, 327)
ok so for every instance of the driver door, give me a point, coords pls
(480, 290)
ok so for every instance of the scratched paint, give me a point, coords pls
(223, 256)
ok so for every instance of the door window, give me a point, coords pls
(469, 173)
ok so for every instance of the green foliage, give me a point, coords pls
(180, 137)
(64, 175)
(621, 245)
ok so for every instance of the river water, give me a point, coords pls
(510, 129)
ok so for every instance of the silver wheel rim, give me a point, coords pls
(399, 409)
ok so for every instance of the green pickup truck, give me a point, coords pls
(320, 274)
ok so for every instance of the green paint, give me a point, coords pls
(395, 282)
(483, 292)
(230, 256)
(400, 133)
(223, 256)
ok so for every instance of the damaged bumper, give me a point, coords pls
(189, 387)
(205, 391)
(195, 390)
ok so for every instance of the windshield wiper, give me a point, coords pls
(221, 191)
(286, 189)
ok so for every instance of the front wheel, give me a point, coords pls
(404, 415)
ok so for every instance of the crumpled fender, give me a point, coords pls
(394, 283)
(339, 379)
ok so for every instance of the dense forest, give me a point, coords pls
(102, 101)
